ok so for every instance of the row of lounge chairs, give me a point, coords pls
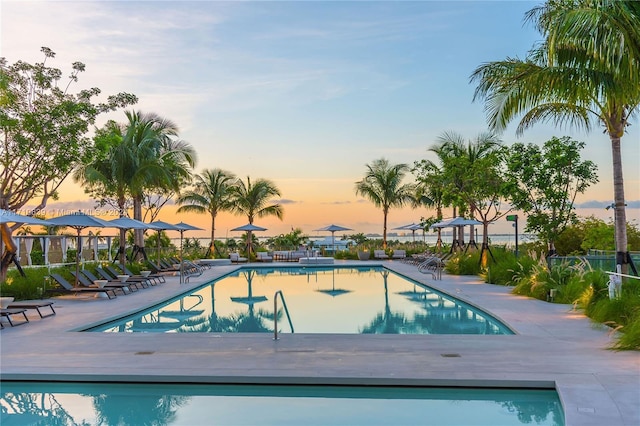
(87, 279)
(189, 269)
(429, 263)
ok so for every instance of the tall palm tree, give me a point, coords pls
(162, 161)
(383, 186)
(211, 194)
(586, 71)
(254, 200)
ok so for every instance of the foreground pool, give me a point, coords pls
(171, 404)
(368, 300)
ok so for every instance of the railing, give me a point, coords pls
(275, 313)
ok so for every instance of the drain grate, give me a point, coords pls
(450, 355)
(144, 353)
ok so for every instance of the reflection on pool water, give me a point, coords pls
(368, 300)
(172, 404)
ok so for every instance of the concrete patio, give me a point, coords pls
(554, 347)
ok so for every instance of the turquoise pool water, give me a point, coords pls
(193, 405)
(367, 300)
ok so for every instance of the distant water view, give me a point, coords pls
(494, 239)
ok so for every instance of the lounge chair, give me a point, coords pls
(160, 269)
(112, 274)
(157, 278)
(263, 256)
(66, 287)
(8, 313)
(380, 254)
(88, 280)
(399, 254)
(34, 305)
(235, 258)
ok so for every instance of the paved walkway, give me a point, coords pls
(554, 346)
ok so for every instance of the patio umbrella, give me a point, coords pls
(413, 227)
(7, 216)
(162, 226)
(126, 224)
(184, 227)
(333, 228)
(249, 228)
(79, 221)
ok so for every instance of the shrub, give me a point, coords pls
(464, 264)
(507, 269)
(28, 287)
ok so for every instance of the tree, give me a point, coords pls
(431, 185)
(382, 185)
(586, 71)
(211, 194)
(460, 159)
(163, 162)
(545, 182)
(43, 132)
(255, 200)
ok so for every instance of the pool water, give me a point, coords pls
(29, 403)
(367, 300)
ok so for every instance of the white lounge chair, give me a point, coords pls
(399, 254)
(380, 254)
(235, 258)
(263, 256)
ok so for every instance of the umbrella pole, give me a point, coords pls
(249, 247)
(181, 262)
(78, 253)
(158, 245)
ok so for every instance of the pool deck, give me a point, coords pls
(554, 347)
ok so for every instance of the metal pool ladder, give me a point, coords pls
(275, 313)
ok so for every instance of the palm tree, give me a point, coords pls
(431, 185)
(211, 194)
(587, 71)
(459, 157)
(383, 186)
(162, 161)
(255, 200)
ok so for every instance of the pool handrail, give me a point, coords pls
(275, 313)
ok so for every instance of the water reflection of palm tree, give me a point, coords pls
(252, 321)
(209, 323)
(136, 409)
(386, 322)
(33, 408)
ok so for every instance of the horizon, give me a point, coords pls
(301, 93)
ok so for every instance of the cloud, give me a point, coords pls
(286, 201)
(595, 204)
(338, 202)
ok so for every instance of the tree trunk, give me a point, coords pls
(620, 216)
(7, 247)
(384, 229)
(138, 239)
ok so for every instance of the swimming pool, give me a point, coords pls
(366, 300)
(27, 403)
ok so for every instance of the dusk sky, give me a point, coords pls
(303, 93)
